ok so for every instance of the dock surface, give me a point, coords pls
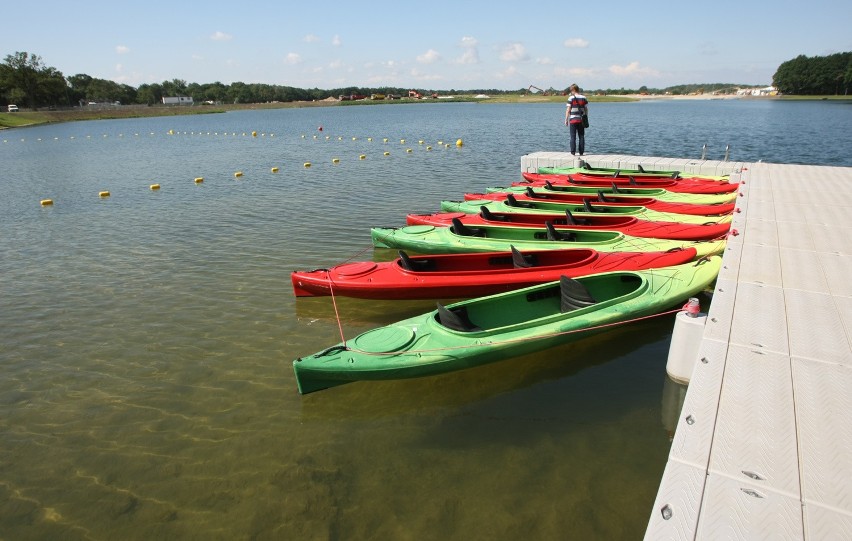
(763, 444)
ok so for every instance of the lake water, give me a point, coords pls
(148, 337)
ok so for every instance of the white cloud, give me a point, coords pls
(511, 71)
(424, 77)
(335, 64)
(544, 61)
(514, 52)
(292, 58)
(471, 53)
(121, 49)
(429, 57)
(119, 68)
(336, 41)
(575, 72)
(631, 69)
(310, 38)
(221, 36)
(576, 43)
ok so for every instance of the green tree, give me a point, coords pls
(149, 94)
(25, 79)
(818, 75)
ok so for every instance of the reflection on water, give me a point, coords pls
(148, 340)
(674, 394)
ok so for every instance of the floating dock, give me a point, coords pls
(763, 444)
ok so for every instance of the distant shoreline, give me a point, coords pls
(33, 118)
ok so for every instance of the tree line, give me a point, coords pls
(27, 81)
(817, 75)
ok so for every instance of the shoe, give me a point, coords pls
(572, 153)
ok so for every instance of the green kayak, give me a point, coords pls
(497, 327)
(659, 194)
(458, 238)
(558, 208)
(636, 173)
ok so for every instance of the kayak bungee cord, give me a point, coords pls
(513, 340)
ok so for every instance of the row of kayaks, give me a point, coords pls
(533, 276)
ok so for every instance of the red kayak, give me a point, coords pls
(672, 185)
(452, 276)
(629, 225)
(610, 200)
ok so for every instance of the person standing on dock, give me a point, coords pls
(576, 115)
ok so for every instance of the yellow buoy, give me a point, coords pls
(369, 138)
(254, 134)
(402, 141)
(459, 143)
(387, 153)
(428, 147)
(408, 150)
(335, 160)
(362, 157)
(238, 174)
(103, 194)
(274, 169)
(155, 186)
(420, 142)
(385, 140)
(354, 139)
(307, 164)
(46, 202)
(199, 180)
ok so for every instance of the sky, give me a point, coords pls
(459, 45)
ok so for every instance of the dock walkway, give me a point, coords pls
(763, 444)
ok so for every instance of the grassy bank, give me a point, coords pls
(30, 118)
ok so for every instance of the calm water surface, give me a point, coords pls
(148, 337)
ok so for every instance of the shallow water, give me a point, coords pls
(148, 337)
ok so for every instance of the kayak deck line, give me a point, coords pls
(761, 438)
(508, 341)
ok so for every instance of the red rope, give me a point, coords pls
(336, 313)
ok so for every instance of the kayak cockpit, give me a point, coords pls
(555, 299)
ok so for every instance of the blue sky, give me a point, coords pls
(429, 45)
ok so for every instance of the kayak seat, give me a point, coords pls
(570, 219)
(587, 206)
(512, 202)
(604, 199)
(574, 295)
(414, 265)
(522, 261)
(632, 180)
(486, 214)
(532, 193)
(615, 188)
(456, 319)
(553, 234)
(462, 230)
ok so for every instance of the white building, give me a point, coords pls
(177, 100)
